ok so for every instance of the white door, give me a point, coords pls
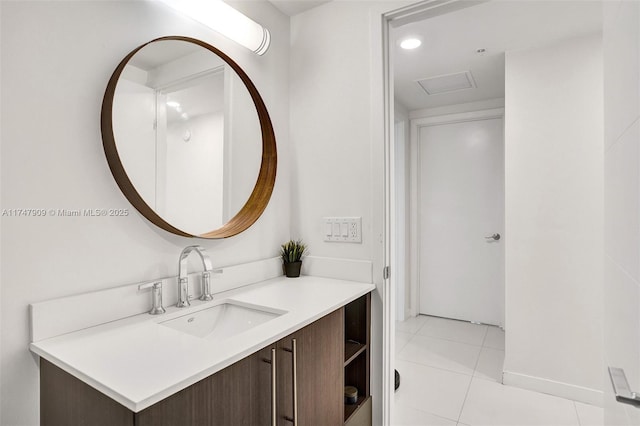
(461, 205)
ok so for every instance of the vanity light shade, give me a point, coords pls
(225, 20)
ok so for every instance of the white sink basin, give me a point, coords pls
(224, 320)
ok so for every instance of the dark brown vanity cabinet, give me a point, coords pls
(243, 393)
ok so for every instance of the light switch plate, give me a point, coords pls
(343, 229)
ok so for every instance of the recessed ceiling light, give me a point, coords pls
(173, 104)
(410, 43)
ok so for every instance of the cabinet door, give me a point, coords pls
(65, 400)
(320, 383)
(233, 396)
(261, 387)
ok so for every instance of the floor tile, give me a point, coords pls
(490, 403)
(407, 416)
(435, 357)
(401, 340)
(494, 338)
(432, 390)
(459, 331)
(590, 415)
(490, 365)
(411, 325)
(440, 353)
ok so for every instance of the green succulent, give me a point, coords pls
(292, 251)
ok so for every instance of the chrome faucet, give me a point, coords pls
(183, 279)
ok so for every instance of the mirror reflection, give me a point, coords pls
(187, 134)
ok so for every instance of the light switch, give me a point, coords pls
(342, 229)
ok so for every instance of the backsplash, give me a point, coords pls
(67, 314)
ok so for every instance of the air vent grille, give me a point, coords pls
(447, 83)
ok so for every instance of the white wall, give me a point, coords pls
(554, 216)
(331, 136)
(337, 138)
(56, 60)
(621, 45)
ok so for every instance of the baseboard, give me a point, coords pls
(339, 269)
(551, 387)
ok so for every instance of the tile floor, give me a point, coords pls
(451, 373)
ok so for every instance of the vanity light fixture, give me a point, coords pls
(410, 43)
(225, 20)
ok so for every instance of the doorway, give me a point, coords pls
(461, 216)
(476, 388)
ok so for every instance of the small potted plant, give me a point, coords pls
(292, 252)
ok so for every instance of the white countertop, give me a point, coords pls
(138, 362)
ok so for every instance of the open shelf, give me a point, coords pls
(350, 409)
(352, 350)
(357, 324)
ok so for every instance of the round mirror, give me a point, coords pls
(188, 138)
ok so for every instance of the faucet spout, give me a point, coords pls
(183, 279)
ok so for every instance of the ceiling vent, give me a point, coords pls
(447, 83)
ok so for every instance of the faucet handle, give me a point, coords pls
(206, 284)
(156, 294)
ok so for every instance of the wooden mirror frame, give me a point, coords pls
(259, 198)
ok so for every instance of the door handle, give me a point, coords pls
(494, 237)
(621, 387)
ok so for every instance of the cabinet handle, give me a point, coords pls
(295, 382)
(272, 361)
(274, 417)
(294, 352)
